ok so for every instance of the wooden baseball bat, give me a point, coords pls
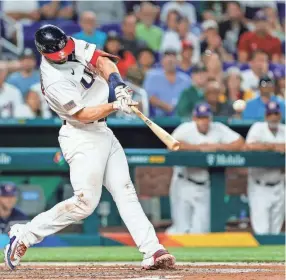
(162, 134)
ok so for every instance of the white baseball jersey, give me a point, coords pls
(71, 86)
(260, 132)
(10, 98)
(188, 132)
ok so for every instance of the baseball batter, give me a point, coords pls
(190, 187)
(74, 80)
(266, 186)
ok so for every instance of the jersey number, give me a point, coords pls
(87, 80)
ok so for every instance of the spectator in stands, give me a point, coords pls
(28, 75)
(36, 104)
(113, 46)
(259, 66)
(145, 59)
(32, 108)
(10, 97)
(208, 15)
(259, 39)
(255, 108)
(135, 76)
(252, 7)
(24, 13)
(89, 33)
(266, 186)
(193, 94)
(128, 38)
(280, 85)
(233, 27)
(212, 41)
(275, 27)
(173, 40)
(51, 9)
(233, 86)
(165, 85)
(214, 66)
(213, 91)
(11, 65)
(185, 63)
(145, 29)
(107, 11)
(8, 213)
(184, 8)
(190, 187)
(173, 19)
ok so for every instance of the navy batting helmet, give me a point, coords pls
(53, 43)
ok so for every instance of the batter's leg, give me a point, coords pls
(87, 160)
(277, 215)
(117, 181)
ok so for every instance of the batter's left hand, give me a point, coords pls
(123, 91)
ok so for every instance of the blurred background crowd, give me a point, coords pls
(174, 53)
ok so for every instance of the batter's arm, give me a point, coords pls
(91, 114)
(104, 66)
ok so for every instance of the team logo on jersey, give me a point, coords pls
(86, 46)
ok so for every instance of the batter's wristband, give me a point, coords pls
(115, 80)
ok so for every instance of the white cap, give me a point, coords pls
(207, 24)
(233, 70)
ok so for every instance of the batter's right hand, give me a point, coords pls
(124, 105)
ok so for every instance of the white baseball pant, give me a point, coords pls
(95, 158)
(267, 207)
(192, 206)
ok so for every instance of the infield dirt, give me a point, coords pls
(121, 272)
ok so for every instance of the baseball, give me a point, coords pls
(239, 105)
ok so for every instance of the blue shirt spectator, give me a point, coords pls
(165, 85)
(255, 108)
(56, 9)
(89, 32)
(24, 79)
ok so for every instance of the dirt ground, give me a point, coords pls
(122, 272)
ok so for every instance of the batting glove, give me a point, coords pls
(124, 104)
(123, 91)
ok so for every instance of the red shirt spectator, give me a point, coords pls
(259, 39)
(125, 63)
(113, 45)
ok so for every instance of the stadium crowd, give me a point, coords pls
(179, 52)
